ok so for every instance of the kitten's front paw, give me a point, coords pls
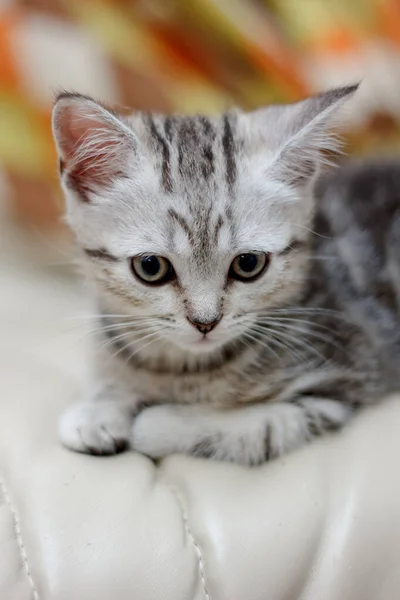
(96, 428)
(156, 432)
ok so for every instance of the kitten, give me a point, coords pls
(228, 328)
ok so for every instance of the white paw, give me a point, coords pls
(96, 428)
(159, 431)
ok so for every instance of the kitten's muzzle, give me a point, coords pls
(204, 328)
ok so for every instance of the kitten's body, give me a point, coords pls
(291, 354)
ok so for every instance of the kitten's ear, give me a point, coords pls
(300, 135)
(95, 146)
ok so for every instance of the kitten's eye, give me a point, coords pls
(152, 269)
(247, 267)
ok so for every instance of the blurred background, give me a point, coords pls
(167, 55)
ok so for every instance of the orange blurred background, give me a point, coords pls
(184, 55)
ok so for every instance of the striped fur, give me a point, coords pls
(291, 355)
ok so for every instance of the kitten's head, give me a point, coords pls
(193, 225)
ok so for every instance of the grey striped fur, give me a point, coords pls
(294, 353)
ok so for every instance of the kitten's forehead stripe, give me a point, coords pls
(180, 219)
(228, 146)
(166, 156)
(207, 165)
(218, 226)
(209, 130)
(190, 147)
(181, 162)
(168, 128)
(198, 154)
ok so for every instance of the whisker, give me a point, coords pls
(302, 227)
(252, 338)
(260, 341)
(295, 340)
(141, 348)
(293, 320)
(125, 346)
(299, 311)
(280, 344)
(117, 316)
(126, 334)
(126, 325)
(94, 317)
(308, 332)
(287, 345)
(144, 327)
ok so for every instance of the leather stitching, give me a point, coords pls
(17, 529)
(195, 544)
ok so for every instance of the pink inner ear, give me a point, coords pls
(93, 145)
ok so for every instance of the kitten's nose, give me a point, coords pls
(204, 327)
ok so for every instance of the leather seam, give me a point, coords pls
(21, 546)
(195, 544)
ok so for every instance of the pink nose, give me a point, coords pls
(203, 327)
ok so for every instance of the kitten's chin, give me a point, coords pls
(201, 346)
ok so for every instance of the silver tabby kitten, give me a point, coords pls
(221, 333)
